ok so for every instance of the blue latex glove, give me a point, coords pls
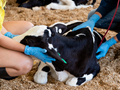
(105, 47)
(10, 35)
(91, 23)
(38, 53)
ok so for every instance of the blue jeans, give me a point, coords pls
(105, 21)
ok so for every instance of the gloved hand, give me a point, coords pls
(105, 47)
(38, 53)
(10, 35)
(91, 23)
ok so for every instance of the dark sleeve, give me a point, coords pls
(118, 36)
(106, 6)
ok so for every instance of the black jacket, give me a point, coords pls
(106, 6)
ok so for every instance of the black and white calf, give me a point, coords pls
(77, 48)
(55, 4)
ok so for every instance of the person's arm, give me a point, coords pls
(102, 50)
(106, 6)
(34, 51)
(11, 44)
(90, 23)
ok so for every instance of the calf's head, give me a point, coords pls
(45, 40)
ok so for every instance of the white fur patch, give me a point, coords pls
(55, 49)
(50, 46)
(61, 7)
(50, 33)
(88, 77)
(56, 28)
(41, 76)
(83, 6)
(60, 30)
(36, 8)
(34, 31)
(80, 34)
(72, 81)
(62, 76)
(97, 34)
(92, 34)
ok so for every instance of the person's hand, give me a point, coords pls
(38, 53)
(90, 23)
(10, 35)
(102, 50)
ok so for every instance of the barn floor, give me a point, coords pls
(107, 79)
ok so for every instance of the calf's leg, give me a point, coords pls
(76, 81)
(42, 73)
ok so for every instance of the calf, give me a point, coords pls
(55, 4)
(77, 49)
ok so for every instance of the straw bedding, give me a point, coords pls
(107, 79)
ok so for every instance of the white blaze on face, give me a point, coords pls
(56, 28)
(55, 49)
(50, 46)
(50, 33)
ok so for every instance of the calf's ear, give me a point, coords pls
(27, 40)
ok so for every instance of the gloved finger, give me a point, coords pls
(42, 50)
(47, 60)
(77, 27)
(98, 56)
(43, 61)
(98, 52)
(50, 58)
(14, 36)
(46, 57)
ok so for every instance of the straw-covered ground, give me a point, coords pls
(107, 79)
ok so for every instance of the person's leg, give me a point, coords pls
(17, 27)
(13, 63)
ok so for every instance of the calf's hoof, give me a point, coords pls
(41, 77)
